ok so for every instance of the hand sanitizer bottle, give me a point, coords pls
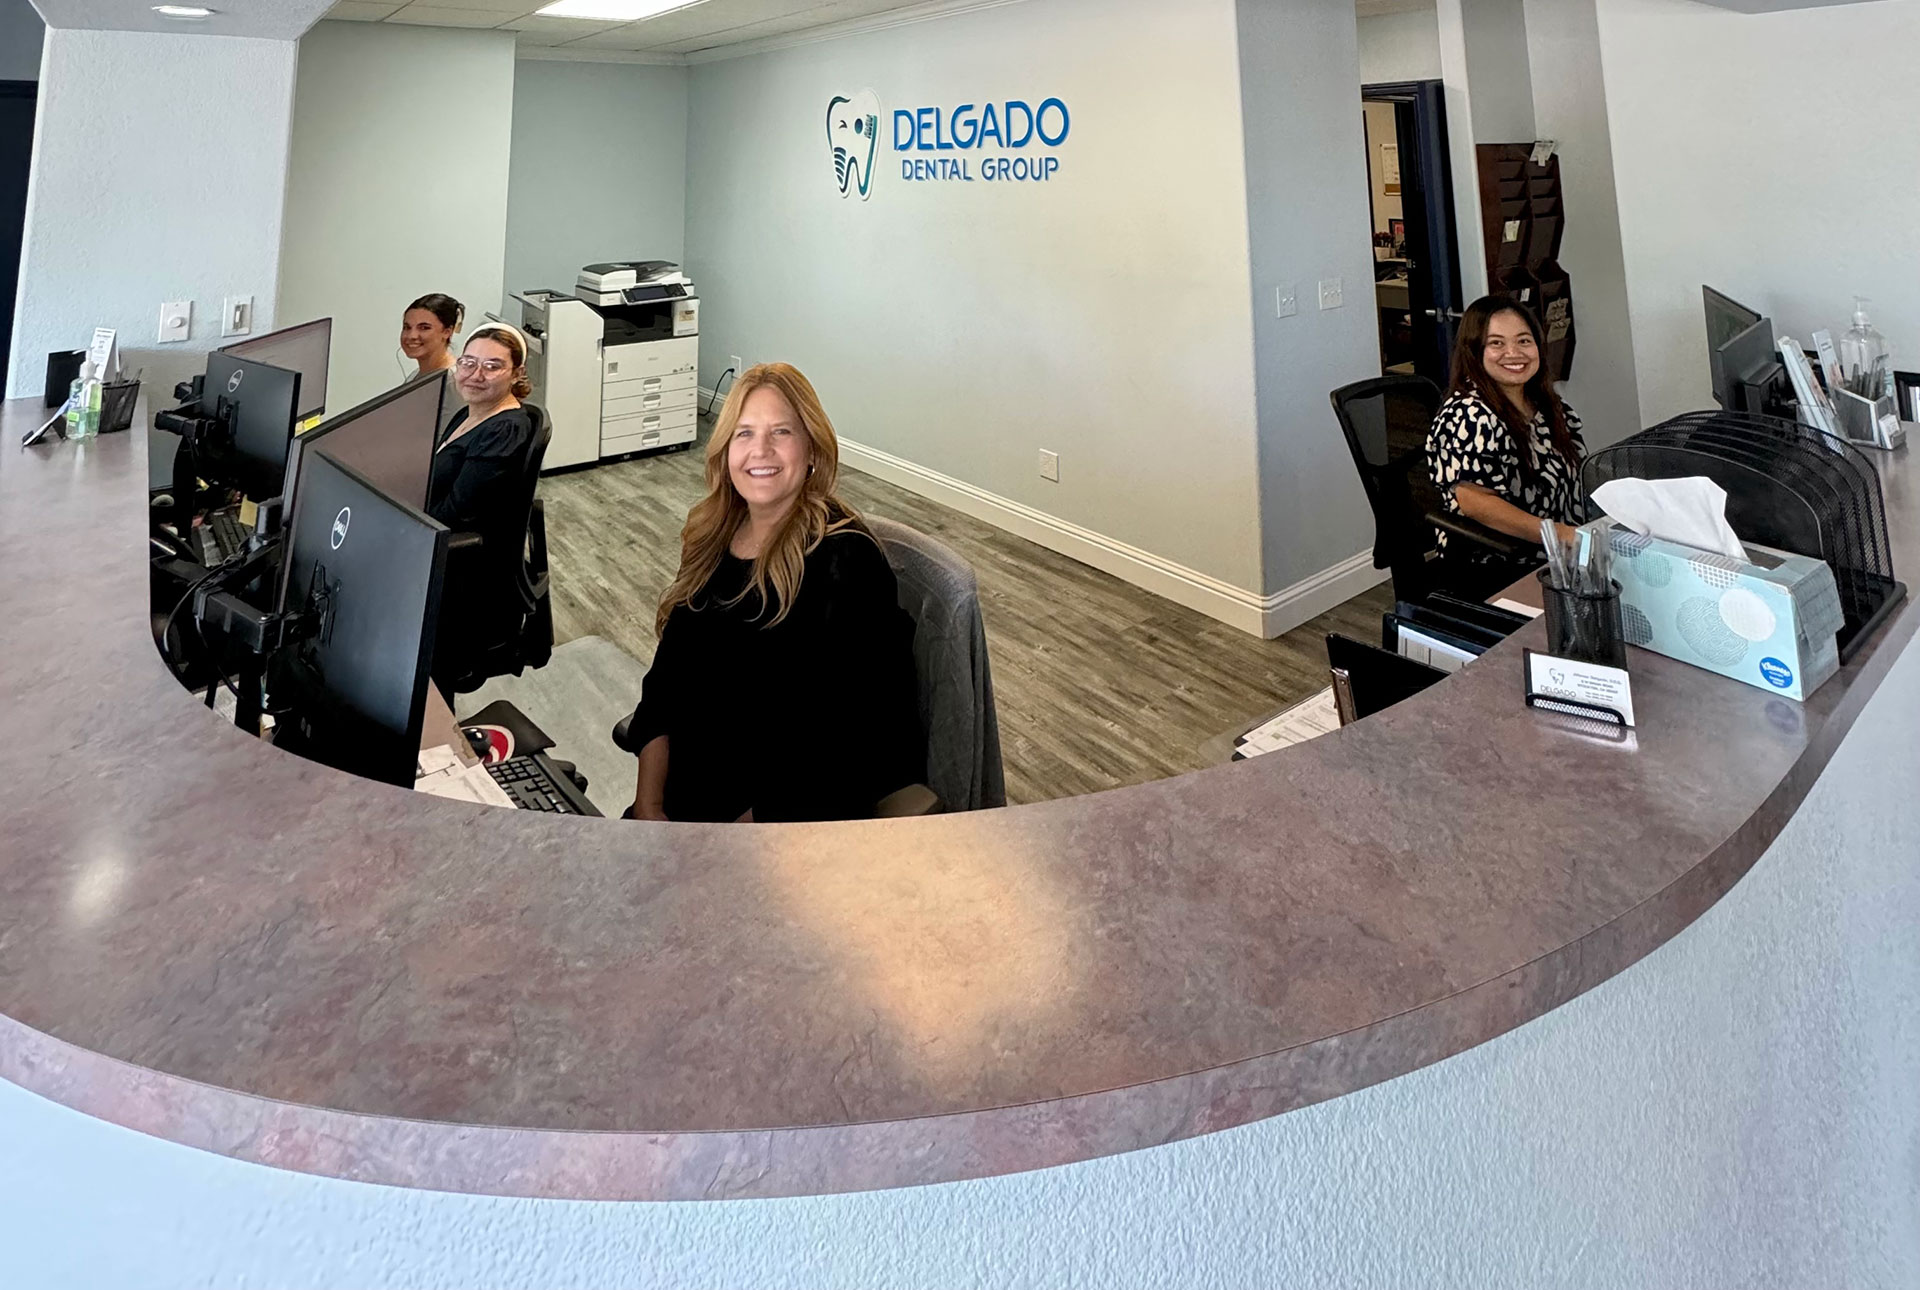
(77, 405)
(1863, 347)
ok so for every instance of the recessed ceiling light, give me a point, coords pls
(189, 12)
(615, 10)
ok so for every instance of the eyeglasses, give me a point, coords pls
(491, 366)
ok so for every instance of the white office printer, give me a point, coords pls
(615, 362)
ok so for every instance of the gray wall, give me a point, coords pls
(115, 224)
(397, 186)
(1400, 47)
(599, 169)
(966, 326)
(1306, 168)
(1735, 1110)
(1734, 169)
(20, 37)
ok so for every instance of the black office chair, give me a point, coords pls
(1386, 420)
(521, 635)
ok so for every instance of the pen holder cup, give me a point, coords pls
(1584, 627)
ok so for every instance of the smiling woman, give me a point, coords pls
(782, 625)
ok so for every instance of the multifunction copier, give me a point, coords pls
(615, 362)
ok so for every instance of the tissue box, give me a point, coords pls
(1768, 620)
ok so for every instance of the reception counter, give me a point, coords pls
(218, 944)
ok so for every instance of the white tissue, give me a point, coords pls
(1692, 512)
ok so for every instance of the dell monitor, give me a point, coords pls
(1747, 374)
(303, 349)
(257, 405)
(388, 440)
(364, 578)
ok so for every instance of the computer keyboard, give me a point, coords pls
(533, 787)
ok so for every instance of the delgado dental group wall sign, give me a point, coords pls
(1011, 141)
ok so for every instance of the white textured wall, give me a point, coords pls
(1400, 47)
(1735, 1110)
(1306, 175)
(159, 174)
(1772, 156)
(963, 327)
(1570, 106)
(20, 36)
(397, 186)
(599, 169)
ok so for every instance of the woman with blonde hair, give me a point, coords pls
(783, 686)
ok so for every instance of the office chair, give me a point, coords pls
(953, 680)
(522, 636)
(1386, 420)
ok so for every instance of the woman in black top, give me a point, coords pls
(478, 481)
(1504, 449)
(783, 686)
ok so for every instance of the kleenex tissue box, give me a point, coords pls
(1768, 620)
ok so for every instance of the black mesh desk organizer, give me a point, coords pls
(1788, 487)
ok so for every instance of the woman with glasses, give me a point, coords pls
(478, 476)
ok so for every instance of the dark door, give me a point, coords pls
(16, 158)
(1426, 198)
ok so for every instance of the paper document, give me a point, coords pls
(1305, 720)
(442, 775)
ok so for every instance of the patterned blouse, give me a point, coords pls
(1470, 444)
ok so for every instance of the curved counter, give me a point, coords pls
(211, 941)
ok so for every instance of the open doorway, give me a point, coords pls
(16, 158)
(1416, 251)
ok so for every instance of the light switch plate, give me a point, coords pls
(1286, 300)
(236, 316)
(1050, 465)
(1330, 293)
(176, 321)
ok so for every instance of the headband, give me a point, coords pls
(508, 328)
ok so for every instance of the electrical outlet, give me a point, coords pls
(1329, 293)
(737, 363)
(236, 316)
(1286, 300)
(176, 321)
(1050, 465)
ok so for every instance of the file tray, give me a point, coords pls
(1789, 488)
(1769, 620)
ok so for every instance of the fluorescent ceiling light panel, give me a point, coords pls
(187, 11)
(615, 10)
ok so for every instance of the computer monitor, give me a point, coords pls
(1747, 375)
(258, 404)
(303, 349)
(365, 572)
(389, 440)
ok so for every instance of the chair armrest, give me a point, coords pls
(621, 732)
(914, 799)
(1480, 535)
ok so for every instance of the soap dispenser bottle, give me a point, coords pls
(1862, 348)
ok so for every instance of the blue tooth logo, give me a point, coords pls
(853, 132)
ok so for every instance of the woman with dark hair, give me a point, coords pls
(479, 477)
(427, 329)
(783, 687)
(1504, 449)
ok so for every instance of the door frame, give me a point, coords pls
(1426, 163)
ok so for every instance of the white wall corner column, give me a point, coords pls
(159, 174)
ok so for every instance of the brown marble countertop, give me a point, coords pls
(209, 940)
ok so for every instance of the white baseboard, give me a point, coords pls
(1266, 616)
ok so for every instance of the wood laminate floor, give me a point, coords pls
(1098, 683)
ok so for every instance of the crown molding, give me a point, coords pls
(632, 57)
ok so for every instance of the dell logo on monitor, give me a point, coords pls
(233, 382)
(340, 522)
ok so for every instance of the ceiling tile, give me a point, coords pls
(422, 15)
(559, 29)
(360, 11)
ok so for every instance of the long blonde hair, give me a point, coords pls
(714, 520)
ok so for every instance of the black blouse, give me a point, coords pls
(1470, 444)
(813, 719)
(478, 474)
